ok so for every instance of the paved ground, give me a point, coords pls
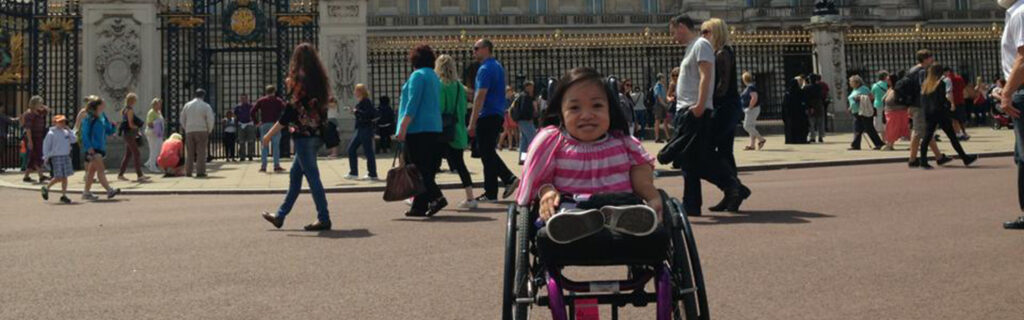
(860, 242)
(244, 176)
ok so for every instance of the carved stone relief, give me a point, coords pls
(119, 59)
(345, 67)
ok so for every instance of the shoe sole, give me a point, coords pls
(636, 220)
(567, 227)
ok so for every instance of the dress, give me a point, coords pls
(35, 124)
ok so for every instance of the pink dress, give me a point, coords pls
(581, 168)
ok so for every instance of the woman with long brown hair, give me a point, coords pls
(306, 117)
(936, 104)
(130, 134)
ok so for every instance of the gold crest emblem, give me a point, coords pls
(243, 22)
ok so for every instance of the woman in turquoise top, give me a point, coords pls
(862, 124)
(419, 127)
(453, 102)
(95, 130)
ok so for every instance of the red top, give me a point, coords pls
(958, 89)
(267, 110)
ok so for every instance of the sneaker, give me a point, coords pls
(351, 177)
(636, 220)
(1015, 224)
(113, 192)
(468, 204)
(969, 159)
(944, 159)
(571, 225)
(65, 200)
(510, 188)
(46, 193)
(88, 196)
(436, 206)
(409, 201)
(485, 199)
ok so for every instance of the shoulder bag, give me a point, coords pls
(403, 181)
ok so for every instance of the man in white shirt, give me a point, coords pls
(694, 91)
(1013, 69)
(197, 121)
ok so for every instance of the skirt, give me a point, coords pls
(61, 166)
(897, 125)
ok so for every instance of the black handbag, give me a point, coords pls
(403, 181)
(690, 146)
(329, 134)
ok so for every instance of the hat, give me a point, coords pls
(59, 118)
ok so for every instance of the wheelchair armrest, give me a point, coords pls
(671, 212)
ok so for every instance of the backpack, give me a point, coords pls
(866, 107)
(649, 98)
(907, 90)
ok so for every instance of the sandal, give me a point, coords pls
(760, 145)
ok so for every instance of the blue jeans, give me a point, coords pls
(640, 117)
(364, 138)
(305, 166)
(526, 133)
(274, 141)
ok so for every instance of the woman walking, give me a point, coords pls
(861, 105)
(453, 102)
(154, 133)
(936, 102)
(305, 116)
(751, 103)
(419, 127)
(130, 133)
(897, 117)
(95, 129)
(365, 115)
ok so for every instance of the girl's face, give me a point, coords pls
(585, 111)
(158, 106)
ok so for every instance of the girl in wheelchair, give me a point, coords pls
(584, 150)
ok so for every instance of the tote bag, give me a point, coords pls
(404, 181)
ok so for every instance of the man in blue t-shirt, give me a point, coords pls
(486, 119)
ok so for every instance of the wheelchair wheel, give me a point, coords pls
(685, 264)
(516, 275)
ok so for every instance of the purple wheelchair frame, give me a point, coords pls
(663, 291)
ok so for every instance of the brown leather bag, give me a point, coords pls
(404, 181)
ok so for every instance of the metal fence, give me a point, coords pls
(229, 48)
(39, 55)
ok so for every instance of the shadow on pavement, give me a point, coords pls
(335, 234)
(448, 219)
(761, 216)
(109, 200)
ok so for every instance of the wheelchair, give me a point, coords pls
(534, 264)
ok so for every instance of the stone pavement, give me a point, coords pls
(243, 177)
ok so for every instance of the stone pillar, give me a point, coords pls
(120, 54)
(829, 40)
(343, 48)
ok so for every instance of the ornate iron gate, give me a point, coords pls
(229, 48)
(39, 55)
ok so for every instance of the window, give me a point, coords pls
(538, 6)
(963, 4)
(594, 6)
(419, 7)
(479, 7)
(651, 6)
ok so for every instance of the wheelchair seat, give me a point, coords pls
(605, 248)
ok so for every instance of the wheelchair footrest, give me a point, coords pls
(619, 299)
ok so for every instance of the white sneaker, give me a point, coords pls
(369, 178)
(408, 202)
(351, 177)
(468, 204)
(89, 197)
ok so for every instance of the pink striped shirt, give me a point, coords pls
(581, 168)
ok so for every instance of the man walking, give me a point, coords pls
(266, 112)
(246, 129)
(527, 108)
(197, 120)
(485, 121)
(1012, 99)
(694, 91)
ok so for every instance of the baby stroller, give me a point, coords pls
(668, 257)
(1000, 120)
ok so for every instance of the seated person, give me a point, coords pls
(585, 149)
(172, 157)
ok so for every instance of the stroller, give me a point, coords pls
(1000, 119)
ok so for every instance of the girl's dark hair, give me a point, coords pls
(385, 101)
(93, 105)
(422, 56)
(553, 115)
(308, 77)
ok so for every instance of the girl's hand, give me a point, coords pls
(549, 202)
(656, 205)
(400, 137)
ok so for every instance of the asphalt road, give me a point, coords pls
(858, 242)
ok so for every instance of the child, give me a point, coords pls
(230, 133)
(57, 152)
(585, 150)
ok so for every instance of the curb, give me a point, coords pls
(455, 185)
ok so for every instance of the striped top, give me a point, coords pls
(580, 168)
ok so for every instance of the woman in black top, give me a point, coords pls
(795, 113)
(365, 115)
(385, 124)
(305, 117)
(935, 102)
